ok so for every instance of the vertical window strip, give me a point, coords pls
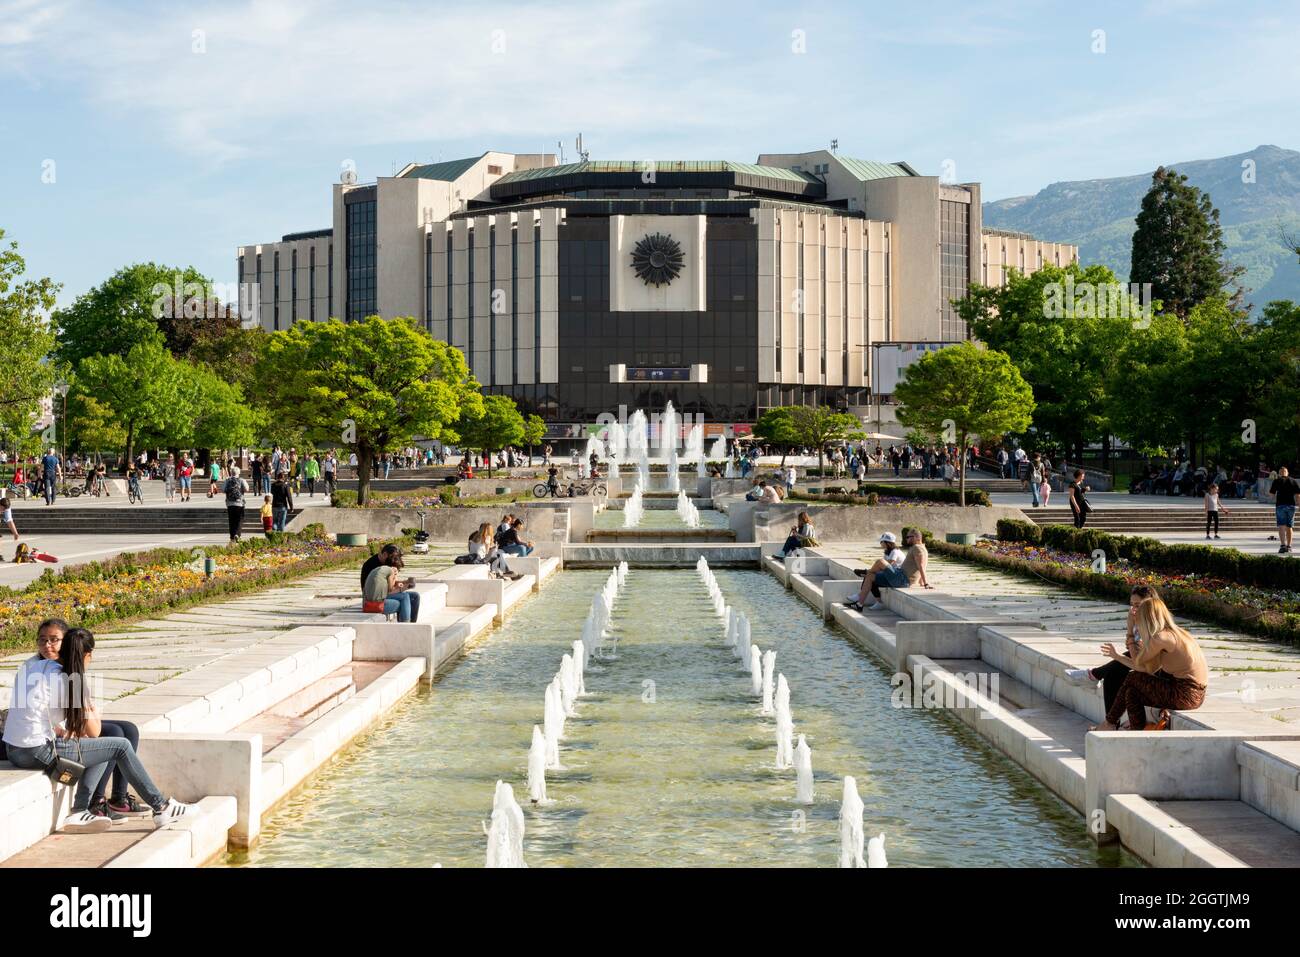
(514, 306)
(537, 301)
(492, 315)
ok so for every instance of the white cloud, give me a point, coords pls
(22, 21)
(400, 72)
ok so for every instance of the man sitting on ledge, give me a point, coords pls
(895, 570)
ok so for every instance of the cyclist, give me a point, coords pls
(553, 481)
(133, 482)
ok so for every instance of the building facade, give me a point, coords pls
(580, 288)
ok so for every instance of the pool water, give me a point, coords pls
(669, 762)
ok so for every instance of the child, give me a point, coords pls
(1212, 509)
(266, 516)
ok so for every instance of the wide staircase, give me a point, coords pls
(136, 520)
(1155, 519)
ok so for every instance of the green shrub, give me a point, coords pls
(343, 498)
(1268, 624)
(1263, 571)
(448, 494)
(1014, 530)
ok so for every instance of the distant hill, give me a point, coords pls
(1097, 214)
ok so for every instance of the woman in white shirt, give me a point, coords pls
(52, 716)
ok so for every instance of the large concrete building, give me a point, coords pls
(726, 287)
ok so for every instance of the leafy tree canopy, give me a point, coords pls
(371, 386)
(964, 391)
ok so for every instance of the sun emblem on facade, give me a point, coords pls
(657, 259)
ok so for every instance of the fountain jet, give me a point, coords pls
(769, 667)
(506, 832)
(803, 776)
(851, 809)
(537, 767)
(784, 725)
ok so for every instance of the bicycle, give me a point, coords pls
(134, 494)
(70, 491)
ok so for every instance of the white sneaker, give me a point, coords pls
(173, 812)
(876, 606)
(1079, 676)
(83, 822)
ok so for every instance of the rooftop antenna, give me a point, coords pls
(582, 154)
(560, 147)
(835, 146)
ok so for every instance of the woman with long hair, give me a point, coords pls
(53, 716)
(1112, 674)
(1169, 670)
(74, 658)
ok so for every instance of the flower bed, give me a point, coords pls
(1270, 612)
(163, 580)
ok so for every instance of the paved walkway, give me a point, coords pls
(131, 657)
(1254, 684)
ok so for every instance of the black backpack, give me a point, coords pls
(234, 491)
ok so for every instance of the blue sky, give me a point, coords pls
(167, 153)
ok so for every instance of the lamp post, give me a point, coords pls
(61, 389)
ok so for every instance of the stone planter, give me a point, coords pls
(961, 538)
(350, 538)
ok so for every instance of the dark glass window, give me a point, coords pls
(954, 265)
(293, 286)
(275, 289)
(311, 284)
(361, 254)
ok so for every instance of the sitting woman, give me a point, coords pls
(908, 573)
(385, 593)
(484, 551)
(1169, 670)
(887, 564)
(802, 535)
(1112, 674)
(121, 803)
(53, 716)
(511, 542)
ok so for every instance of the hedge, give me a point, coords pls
(943, 494)
(1264, 571)
(1268, 624)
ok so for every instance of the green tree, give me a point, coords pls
(1277, 413)
(496, 424)
(92, 425)
(216, 414)
(534, 432)
(1178, 246)
(371, 386)
(1063, 327)
(26, 377)
(819, 426)
(142, 389)
(964, 391)
(128, 308)
(776, 427)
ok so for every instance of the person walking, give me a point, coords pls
(1284, 491)
(1212, 509)
(1036, 481)
(185, 473)
(281, 502)
(169, 478)
(235, 488)
(7, 517)
(1079, 504)
(330, 469)
(52, 471)
(311, 472)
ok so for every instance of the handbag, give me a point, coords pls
(65, 771)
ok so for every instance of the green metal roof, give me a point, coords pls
(448, 171)
(869, 169)
(660, 166)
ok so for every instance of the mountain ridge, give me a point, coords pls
(1256, 192)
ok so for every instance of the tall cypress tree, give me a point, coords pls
(1178, 246)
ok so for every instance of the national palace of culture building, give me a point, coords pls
(729, 288)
